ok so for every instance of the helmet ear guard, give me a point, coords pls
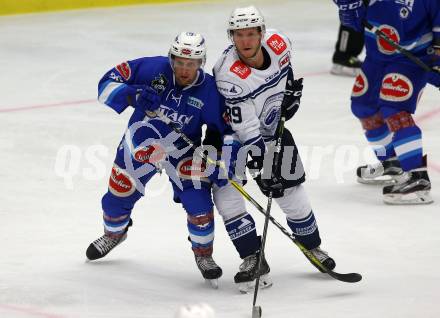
(188, 45)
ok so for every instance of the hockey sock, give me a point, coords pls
(407, 140)
(379, 136)
(115, 226)
(306, 231)
(201, 233)
(241, 230)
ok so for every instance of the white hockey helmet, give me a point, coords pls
(189, 45)
(247, 17)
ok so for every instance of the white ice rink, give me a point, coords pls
(52, 126)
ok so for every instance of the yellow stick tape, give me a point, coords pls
(28, 6)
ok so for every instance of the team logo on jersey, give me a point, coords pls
(151, 154)
(241, 69)
(121, 184)
(360, 86)
(229, 89)
(195, 102)
(159, 84)
(277, 44)
(188, 169)
(270, 118)
(396, 88)
(407, 7)
(284, 60)
(125, 70)
(384, 46)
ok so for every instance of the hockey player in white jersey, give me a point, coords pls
(251, 74)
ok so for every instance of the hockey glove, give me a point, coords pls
(292, 98)
(272, 184)
(351, 13)
(148, 101)
(217, 177)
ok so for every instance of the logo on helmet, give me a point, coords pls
(186, 51)
(396, 88)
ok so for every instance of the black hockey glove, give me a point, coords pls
(266, 185)
(292, 98)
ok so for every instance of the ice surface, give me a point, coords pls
(50, 66)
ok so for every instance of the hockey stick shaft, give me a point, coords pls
(279, 136)
(399, 48)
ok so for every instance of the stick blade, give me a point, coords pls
(256, 312)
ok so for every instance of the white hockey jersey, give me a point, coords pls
(253, 97)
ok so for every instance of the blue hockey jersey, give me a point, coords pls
(188, 107)
(414, 24)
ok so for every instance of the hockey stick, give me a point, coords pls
(399, 48)
(256, 310)
(348, 278)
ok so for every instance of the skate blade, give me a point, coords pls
(344, 70)
(416, 198)
(383, 180)
(247, 287)
(212, 282)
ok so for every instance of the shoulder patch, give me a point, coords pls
(277, 44)
(125, 70)
(240, 69)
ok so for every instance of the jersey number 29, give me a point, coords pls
(235, 114)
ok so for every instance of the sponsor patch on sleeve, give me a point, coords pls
(240, 69)
(125, 70)
(277, 44)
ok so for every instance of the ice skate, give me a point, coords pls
(211, 272)
(412, 187)
(323, 257)
(103, 245)
(349, 67)
(383, 173)
(245, 278)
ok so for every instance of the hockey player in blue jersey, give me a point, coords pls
(177, 87)
(387, 90)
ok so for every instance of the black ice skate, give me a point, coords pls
(413, 187)
(384, 173)
(346, 67)
(323, 257)
(103, 245)
(211, 272)
(245, 278)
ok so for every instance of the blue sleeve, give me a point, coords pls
(119, 86)
(434, 13)
(213, 115)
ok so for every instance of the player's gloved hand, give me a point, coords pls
(292, 98)
(148, 101)
(267, 184)
(351, 13)
(218, 177)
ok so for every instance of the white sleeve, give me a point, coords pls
(244, 120)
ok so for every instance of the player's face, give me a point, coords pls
(247, 41)
(185, 70)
